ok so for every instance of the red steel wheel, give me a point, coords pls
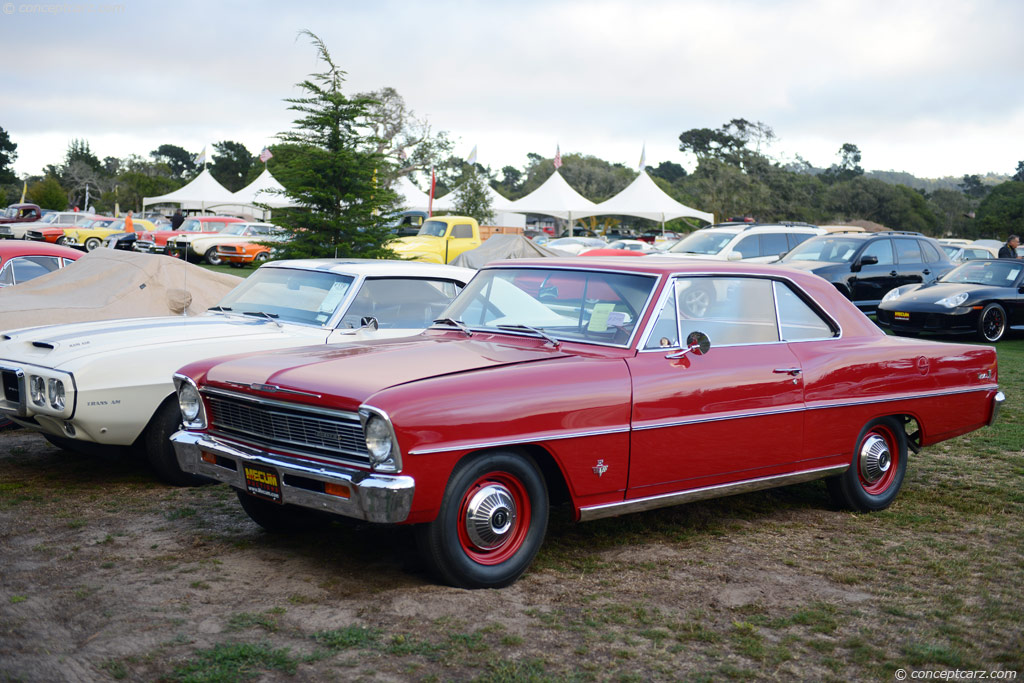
(495, 514)
(876, 470)
(491, 522)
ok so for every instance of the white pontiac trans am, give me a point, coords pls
(106, 384)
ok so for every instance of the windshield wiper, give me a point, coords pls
(272, 317)
(536, 330)
(455, 323)
(219, 308)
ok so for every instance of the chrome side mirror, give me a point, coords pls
(368, 321)
(697, 343)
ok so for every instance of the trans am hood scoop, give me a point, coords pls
(349, 374)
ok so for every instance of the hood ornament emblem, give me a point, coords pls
(272, 389)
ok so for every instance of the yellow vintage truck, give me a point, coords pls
(440, 239)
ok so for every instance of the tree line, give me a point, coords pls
(343, 152)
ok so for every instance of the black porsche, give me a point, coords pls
(983, 297)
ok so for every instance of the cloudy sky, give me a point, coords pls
(932, 87)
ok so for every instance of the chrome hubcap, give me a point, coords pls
(875, 458)
(490, 516)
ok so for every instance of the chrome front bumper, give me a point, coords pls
(997, 403)
(373, 497)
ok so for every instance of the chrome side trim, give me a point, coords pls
(900, 397)
(520, 439)
(997, 403)
(667, 499)
(716, 418)
(374, 497)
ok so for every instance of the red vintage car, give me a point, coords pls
(21, 261)
(156, 241)
(617, 384)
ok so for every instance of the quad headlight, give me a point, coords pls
(47, 392)
(380, 441)
(953, 301)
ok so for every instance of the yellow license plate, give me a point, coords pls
(900, 315)
(263, 482)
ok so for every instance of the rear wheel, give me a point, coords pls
(992, 323)
(160, 450)
(876, 472)
(92, 243)
(492, 522)
(212, 257)
(62, 240)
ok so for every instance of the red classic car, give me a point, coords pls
(22, 261)
(618, 384)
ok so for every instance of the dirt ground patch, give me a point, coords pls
(107, 575)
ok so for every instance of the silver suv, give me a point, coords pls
(752, 242)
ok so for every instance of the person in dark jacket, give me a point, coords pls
(1009, 250)
(176, 220)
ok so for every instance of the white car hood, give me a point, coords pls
(58, 345)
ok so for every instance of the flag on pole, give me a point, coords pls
(433, 186)
(265, 155)
(471, 159)
(24, 189)
(643, 158)
(558, 157)
(200, 158)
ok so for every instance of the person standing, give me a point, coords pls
(129, 224)
(176, 220)
(1009, 250)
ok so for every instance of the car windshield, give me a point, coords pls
(576, 305)
(830, 249)
(234, 229)
(49, 218)
(191, 225)
(433, 228)
(300, 296)
(10, 212)
(995, 273)
(708, 242)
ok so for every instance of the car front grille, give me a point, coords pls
(12, 386)
(34, 235)
(288, 427)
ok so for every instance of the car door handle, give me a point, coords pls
(926, 271)
(788, 371)
(893, 273)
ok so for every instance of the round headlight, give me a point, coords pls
(189, 401)
(56, 390)
(378, 439)
(37, 389)
(892, 294)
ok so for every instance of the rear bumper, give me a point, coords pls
(372, 497)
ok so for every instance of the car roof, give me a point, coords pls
(377, 267)
(649, 265)
(754, 228)
(12, 248)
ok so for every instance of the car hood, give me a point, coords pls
(929, 294)
(58, 345)
(405, 245)
(348, 375)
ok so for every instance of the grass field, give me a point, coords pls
(106, 575)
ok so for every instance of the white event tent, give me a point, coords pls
(202, 193)
(262, 194)
(410, 197)
(555, 198)
(644, 199)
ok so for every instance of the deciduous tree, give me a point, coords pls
(8, 155)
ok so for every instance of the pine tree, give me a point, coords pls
(333, 173)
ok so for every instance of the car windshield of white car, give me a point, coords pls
(830, 249)
(575, 305)
(992, 273)
(235, 229)
(701, 242)
(300, 296)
